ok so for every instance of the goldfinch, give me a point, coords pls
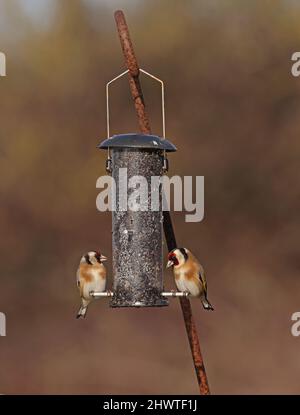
(189, 274)
(91, 276)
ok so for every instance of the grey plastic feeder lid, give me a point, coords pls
(142, 141)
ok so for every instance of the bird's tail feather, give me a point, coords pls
(206, 304)
(82, 312)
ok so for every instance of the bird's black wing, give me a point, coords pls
(203, 281)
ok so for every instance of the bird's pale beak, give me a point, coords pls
(103, 258)
(169, 264)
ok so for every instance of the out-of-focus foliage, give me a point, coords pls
(233, 111)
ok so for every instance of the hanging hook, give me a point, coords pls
(107, 100)
(108, 161)
(165, 160)
(162, 100)
(165, 167)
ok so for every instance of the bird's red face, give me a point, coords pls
(100, 258)
(172, 260)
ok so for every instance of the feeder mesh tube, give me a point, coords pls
(137, 235)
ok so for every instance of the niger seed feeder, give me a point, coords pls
(137, 233)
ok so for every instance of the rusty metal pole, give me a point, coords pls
(134, 71)
(144, 124)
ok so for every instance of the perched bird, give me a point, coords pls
(91, 276)
(189, 274)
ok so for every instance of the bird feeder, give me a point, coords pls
(137, 235)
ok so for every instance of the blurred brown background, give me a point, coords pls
(233, 111)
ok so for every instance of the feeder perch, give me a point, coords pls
(100, 294)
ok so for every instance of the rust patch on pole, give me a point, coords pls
(126, 44)
(194, 345)
(134, 71)
(137, 95)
